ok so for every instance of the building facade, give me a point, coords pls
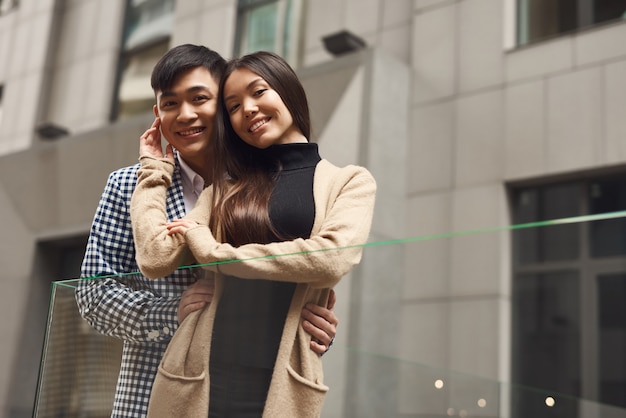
(471, 114)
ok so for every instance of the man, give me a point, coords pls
(146, 313)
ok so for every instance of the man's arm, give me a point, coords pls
(125, 307)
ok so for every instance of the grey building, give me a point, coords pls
(473, 115)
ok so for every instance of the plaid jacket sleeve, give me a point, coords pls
(128, 306)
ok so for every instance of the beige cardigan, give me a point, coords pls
(344, 205)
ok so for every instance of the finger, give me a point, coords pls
(175, 231)
(318, 311)
(196, 299)
(206, 286)
(331, 318)
(332, 298)
(322, 335)
(197, 293)
(176, 222)
(150, 134)
(191, 298)
(187, 309)
(173, 224)
(318, 348)
(328, 327)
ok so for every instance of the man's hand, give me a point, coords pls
(150, 143)
(321, 323)
(195, 297)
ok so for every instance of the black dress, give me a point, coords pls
(251, 314)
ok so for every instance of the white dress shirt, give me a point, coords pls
(193, 184)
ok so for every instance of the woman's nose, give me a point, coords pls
(250, 108)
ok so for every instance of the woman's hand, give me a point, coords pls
(150, 143)
(321, 323)
(180, 226)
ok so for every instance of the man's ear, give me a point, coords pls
(155, 109)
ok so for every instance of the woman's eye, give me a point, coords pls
(259, 92)
(232, 108)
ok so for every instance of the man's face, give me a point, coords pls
(187, 113)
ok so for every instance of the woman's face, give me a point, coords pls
(257, 112)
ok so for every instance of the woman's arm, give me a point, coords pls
(320, 260)
(157, 253)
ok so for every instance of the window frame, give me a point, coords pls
(589, 267)
(7, 6)
(289, 18)
(515, 14)
(127, 53)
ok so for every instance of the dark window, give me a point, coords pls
(569, 288)
(612, 338)
(268, 25)
(553, 243)
(538, 20)
(146, 38)
(608, 237)
(7, 5)
(546, 341)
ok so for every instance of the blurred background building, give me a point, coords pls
(471, 114)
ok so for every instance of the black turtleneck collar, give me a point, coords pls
(294, 156)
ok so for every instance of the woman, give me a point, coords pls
(280, 226)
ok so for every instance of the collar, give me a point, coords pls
(192, 181)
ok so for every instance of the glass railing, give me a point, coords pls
(426, 323)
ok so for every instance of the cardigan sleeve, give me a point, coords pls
(157, 253)
(321, 260)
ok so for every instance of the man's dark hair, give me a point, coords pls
(182, 58)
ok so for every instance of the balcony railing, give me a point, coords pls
(484, 300)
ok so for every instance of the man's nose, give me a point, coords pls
(187, 111)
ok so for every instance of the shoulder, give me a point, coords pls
(121, 181)
(125, 178)
(125, 173)
(332, 173)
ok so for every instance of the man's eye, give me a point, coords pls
(168, 104)
(200, 98)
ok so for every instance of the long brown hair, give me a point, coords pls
(244, 176)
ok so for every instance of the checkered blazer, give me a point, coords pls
(141, 312)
